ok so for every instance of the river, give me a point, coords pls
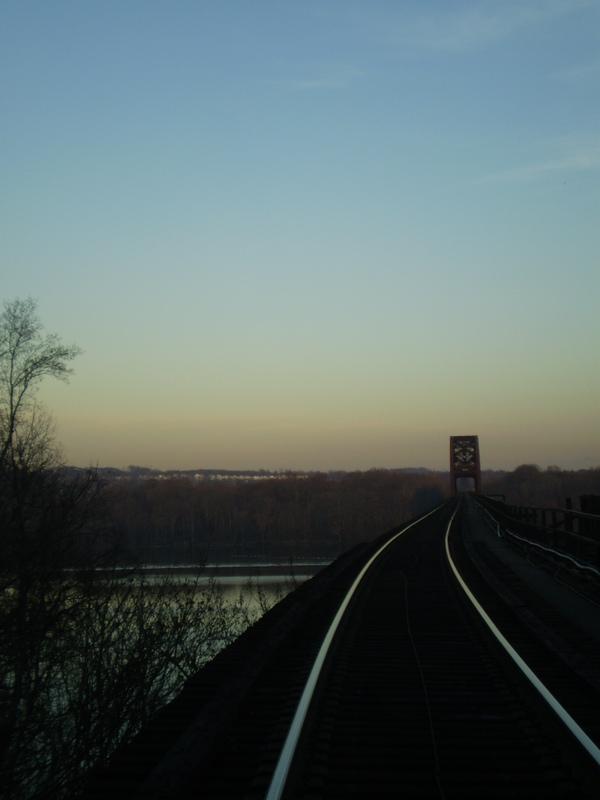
(246, 576)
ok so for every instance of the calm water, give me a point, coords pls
(274, 580)
(246, 577)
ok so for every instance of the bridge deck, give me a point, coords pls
(416, 699)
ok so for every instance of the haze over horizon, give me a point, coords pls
(321, 235)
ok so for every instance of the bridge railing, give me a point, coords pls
(573, 536)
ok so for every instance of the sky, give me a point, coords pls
(326, 234)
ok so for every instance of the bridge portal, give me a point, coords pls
(464, 461)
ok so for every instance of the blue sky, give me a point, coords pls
(309, 235)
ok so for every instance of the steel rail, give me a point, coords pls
(562, 713)
(284, 763)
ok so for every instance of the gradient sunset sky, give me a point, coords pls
(309, 235)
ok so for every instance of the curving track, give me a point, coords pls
(417, 701)
(413, 695)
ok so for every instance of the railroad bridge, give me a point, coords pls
(456, 656)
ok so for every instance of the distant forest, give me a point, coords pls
(182, 520)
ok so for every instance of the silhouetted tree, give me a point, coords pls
(27, 355)
(87, 652)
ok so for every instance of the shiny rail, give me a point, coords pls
(561, 712)
(284, 763)
(282, 769)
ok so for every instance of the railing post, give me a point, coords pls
(554, 524)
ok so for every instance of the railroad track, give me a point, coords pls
(393, 686)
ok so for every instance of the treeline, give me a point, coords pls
(298, 516)
(183, 521)
(528, 485)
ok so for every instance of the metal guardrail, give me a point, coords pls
(564, 534)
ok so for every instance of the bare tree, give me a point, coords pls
(27, 356)
(87, 652)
